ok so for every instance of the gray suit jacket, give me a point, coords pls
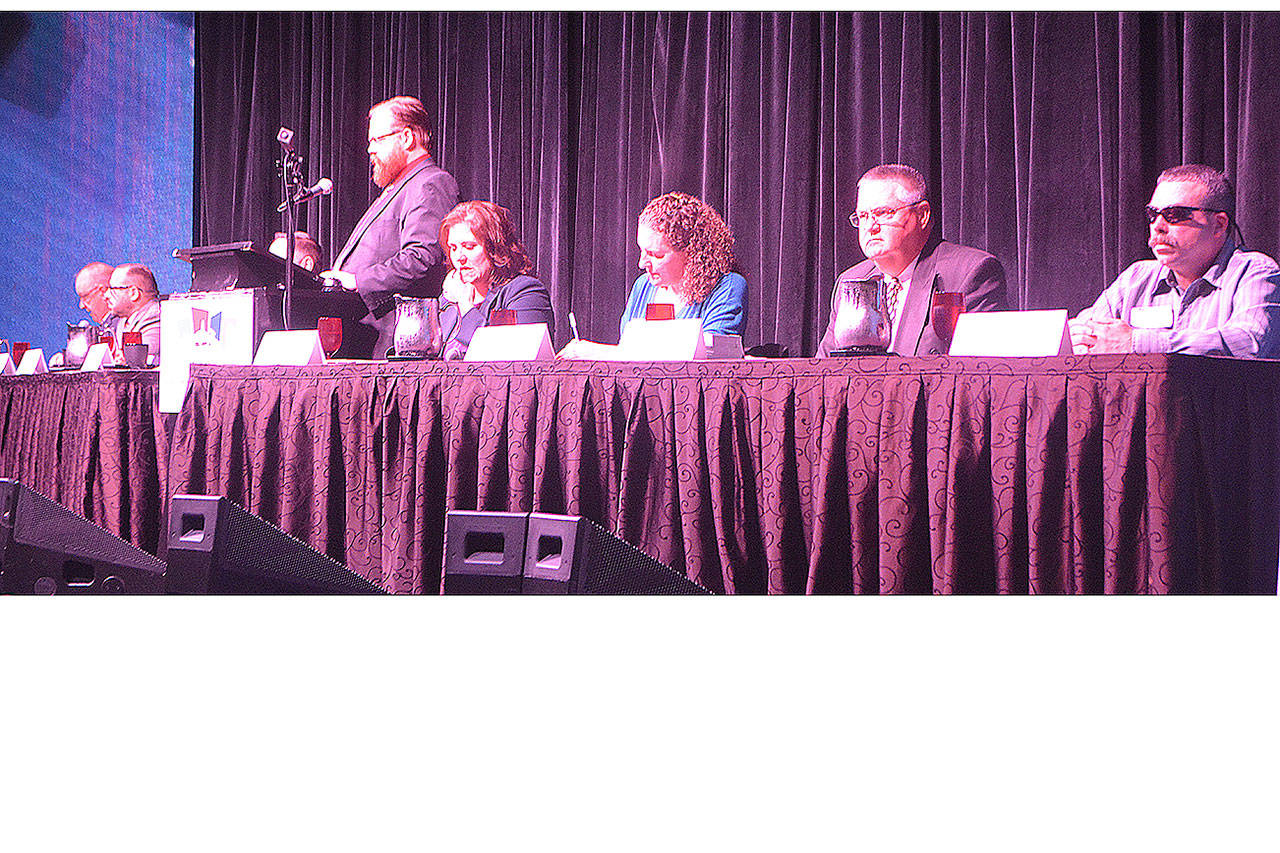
(395, 247)
(943, 266)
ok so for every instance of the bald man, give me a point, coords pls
(91, 288)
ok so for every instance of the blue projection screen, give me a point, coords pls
(96, 150)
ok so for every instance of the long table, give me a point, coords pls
(94, 442)
(1093, 474)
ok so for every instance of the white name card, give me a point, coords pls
(96, 357)
(290, 349)
(1012, 333)
(33, 362)
(663, 340)
(521, 342)
(6, 365)
(1151, 317)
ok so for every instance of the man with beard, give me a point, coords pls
(1203, 294)
(395, 247)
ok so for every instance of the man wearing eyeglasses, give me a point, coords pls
(1203, 294)
(91, 288)
(395, 247)
(132, 295)
(895, 229)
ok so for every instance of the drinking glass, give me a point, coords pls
(330, 329)
(660, 311)
(502, 317)
(945, 313)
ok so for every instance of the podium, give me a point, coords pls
(245, 266)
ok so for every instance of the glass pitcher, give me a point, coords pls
(860, 324)
(417, 331)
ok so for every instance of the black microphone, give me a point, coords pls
(285, 138)
(324, 186)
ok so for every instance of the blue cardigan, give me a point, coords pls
(724, 310)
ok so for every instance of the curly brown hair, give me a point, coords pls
(692, 226)
(492, 226)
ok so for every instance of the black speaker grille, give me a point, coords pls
(259, 557)
(47, 524)
(47, 548)
(611, 566)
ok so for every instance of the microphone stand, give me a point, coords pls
(291, 180)
(291, 183)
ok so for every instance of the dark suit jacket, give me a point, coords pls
(395, 247)
(524, 294)
(942, 266)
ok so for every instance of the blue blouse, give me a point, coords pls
(724, 310)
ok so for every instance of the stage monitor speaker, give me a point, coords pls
(558, 554)
(484, 552)
(217, 546)
(46, 548)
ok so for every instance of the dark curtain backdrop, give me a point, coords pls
(1041, 135)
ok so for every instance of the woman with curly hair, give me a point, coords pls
(686, 252)
(488, 270)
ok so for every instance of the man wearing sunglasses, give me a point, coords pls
(1203, 294)
(895, 230)
(395, 247)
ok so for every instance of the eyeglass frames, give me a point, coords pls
(880, 216)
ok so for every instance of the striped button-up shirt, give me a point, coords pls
(1233, 309)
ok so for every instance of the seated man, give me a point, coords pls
(895, 230)
(1203, 294)
(91, 287)
(306, 251)
(132, 295)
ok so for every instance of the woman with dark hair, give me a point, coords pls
(686, 252)
(488, 271)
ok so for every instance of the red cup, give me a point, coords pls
(330, 329)
(660, 311)
(19, 350)
(130, 338)
(502, 317)
(945, 313)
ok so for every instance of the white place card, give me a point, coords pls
(298, 348)
(6, 365)
(98, 355)
(1012, 333)
(521, 342)
(32, 363)
(663, 340)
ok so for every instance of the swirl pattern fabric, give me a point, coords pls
(93, 442)
(1106, 474)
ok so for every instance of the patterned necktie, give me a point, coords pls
(892, 292)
